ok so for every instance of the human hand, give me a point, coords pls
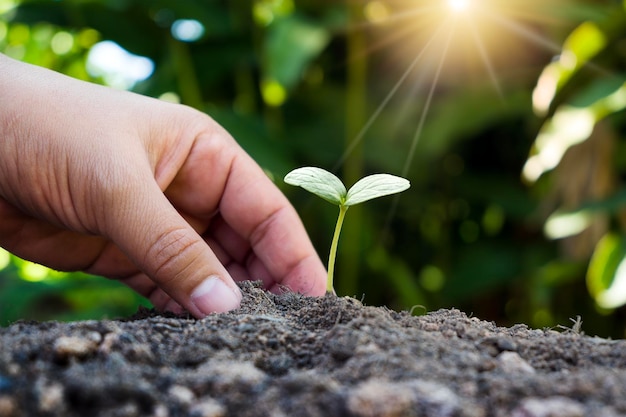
(154, 194)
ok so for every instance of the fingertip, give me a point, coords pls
(213, 295)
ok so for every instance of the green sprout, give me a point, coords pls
(327, 186)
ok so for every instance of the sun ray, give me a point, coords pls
(418, 133)
(484, 56)
(541, 41)
(526, 33)
(400, 31)
(394, 18)
(409, 14)
(446, 38)
(426, 109)
(360, 136)
(387, 41)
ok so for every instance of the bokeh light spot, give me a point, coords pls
(376, 11)
(33, 272)
(87, 38)
(266, 11)
(118, 67)
(170, 97)
(62, 43)
(432, 278)
(187, 30)
(274, 94)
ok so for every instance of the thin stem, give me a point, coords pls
(333, 249)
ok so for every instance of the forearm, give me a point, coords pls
(10, 78)
(18, 91)
(9, 125)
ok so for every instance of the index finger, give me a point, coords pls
(259, 212)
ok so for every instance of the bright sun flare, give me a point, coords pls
(459, 5)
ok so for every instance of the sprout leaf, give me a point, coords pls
(326, 185)
(319, 182)
(374, 186)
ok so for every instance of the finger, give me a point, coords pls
(261, 214)
(253, 208)
(230, 242)
(235, 253)
(196, 187)
(143, 223)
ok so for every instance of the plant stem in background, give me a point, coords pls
(356, 99)
(188, 84)
(333, 249)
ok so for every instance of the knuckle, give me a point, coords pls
(172, 254)
(264, 228)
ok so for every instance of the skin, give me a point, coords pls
(153, 194)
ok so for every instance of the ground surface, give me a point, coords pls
(289, 355)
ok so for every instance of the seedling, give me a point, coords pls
(327, 186)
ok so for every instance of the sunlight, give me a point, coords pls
(440, 45)
(361, 135)
(459, 6)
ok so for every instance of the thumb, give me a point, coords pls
(148, 229)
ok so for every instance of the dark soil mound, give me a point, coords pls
(289, 355)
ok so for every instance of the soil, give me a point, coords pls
(289, 355)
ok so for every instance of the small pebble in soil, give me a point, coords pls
(227, 374)
(381, 398)
(66, 347)
(8, 407)
(181, 394)
(208, 408)
(160, 411)
(549, 407)
(51, 396)
(512, 363)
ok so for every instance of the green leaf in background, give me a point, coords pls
(606, 276)
(472, 114)
(292, 43)
(319, 182)
(253, 135)
(564, 223)
(570, 126)
(598, 90)
(31, 291)
(586, 41)
(374, 186)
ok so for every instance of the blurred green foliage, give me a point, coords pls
(508, 121)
